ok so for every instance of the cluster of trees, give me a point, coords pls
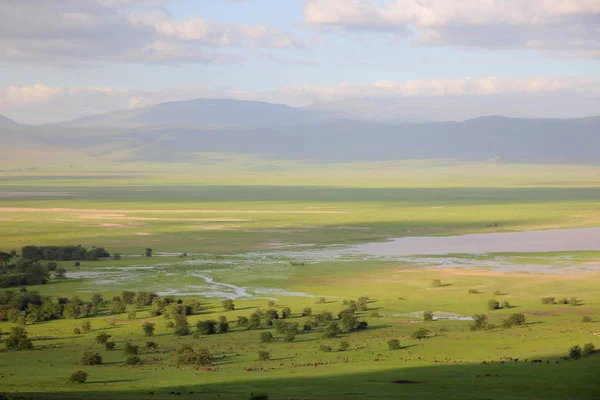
(495, 305)
(576, 351)
(63, 253)
(18, 271)
(480, 322)
(552, 300)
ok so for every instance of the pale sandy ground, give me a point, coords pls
(94, 211)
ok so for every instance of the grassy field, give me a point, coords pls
(219, 217)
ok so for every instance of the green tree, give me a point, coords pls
(575, 352)
(182, 328)
(91, 358)
(117, 306)
(131, 349)
(208, 327)
(102, 337)
(148, 328)
(394, 344)
(307, 312)
(148, 252)
(228, 305)
(266, 337)
(286, 312)
(128, 297)
(86, 327)
(264, 355)
(109, 346)
(480, 322)
(331, 331)
(344, 346)
(133, 360)
(187, 355)
(588, 348)
(493, 305)
(78, 377)
(428, 316)
(421, 333)
(18, 339)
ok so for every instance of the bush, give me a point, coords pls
(91, 358)
(132, 349)
(264, 355)
(428, 316)
(588, 348)
(548, 300)
(151, 345)
(564, 300)
(259, 396)
(78, 377)
(148, 328)
(420, 334)
(290, 337)
(131, 314)
(307, 312)
(322, 300)
(473, 291)
(332, 330)
(86, 327)
(493, 305)
(187, 355)
(208, 327)
(77, 331)
(586, 319)
(307, 327)
(133, 360)
(228, 305)
(436, 282)
(575, 352)
(102, 337)
(18, 340)
(286, 312)
(242, 321)
(515, 319)
(498, 293)
(271, 303)
(182, 328)
(344, 346)
(326, 349)
(109, 345)
(506, 305)
(480, 322)
(266, 337)
(394, 344)
(573, 301)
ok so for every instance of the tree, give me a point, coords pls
(148, 328)
(223, 327)
(102, 337)
(326, 348)
(151, 345)
(322, 300)
(117, 306)
(109, 346)
(242, 321)
(573, 301)
(394, 344)
(182, 328)
(428, 316)
(587, 319)
(331, 331)
(575, 352)
(116, 256)
(493, 305)
(480, 322)
(506, 304)
(78, 377)
(266, 337)
(254, 321)
(131, 349)
(148, 252)
(128, 297)
(60, 273)
(588, 348)
(131, 314)
(264, 355)
(208, 327)
(187, 355)
(290, 337)
(91, 358)
(271, 314)
(259, 396)
(18, 339)
(228, 305)
(307, 312)
(86, 327)
(436, 282)
(515, 319)
(421, 333)
(344, 346)
(133, 360)
(548, 300)
(286, 312)
(97, 299)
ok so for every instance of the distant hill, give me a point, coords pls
(216, 112)
(4, 121)
(506, 139)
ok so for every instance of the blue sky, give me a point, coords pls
(65, 58)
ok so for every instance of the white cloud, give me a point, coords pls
(66, 32)
(558, 27)
(422, 99)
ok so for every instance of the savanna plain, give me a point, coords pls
(226, 280)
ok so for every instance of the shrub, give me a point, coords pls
(131, 314)
(18, 340)
(344, 346)
(573, 301)
(259, 396)
(473, 291)
(428, 316)
(586, 319)
(322, 300)
(222, 327)
(133, 360)
(187, 355)
(506, 304)
(323, 317)
(307, 327)
(480, 322)
(132, 349)
(493, 305)
(182, 328)
(332, 330)
(170, 324)
(498, 293)
(208, 327)
(575, 352)
(242, 321)
(564, 300)
(588, 348)
(420, 334)
(515, 319)
(286, 312)
(264, 355)
(228, 305)
(436, 282)
(325, 348)
(307, 312)
(77, 331)
(548, 300)
(290, 337)
(148, 328)
(109, 345)
(394, 344)
(86, 327)
(102, 337)
(91, 358)
(78, 377)
(151, 345)
(266, 337)
(271, 303)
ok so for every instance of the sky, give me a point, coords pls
(421, 59)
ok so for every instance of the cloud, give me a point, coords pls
(422, 99)
(555, 27)
(75, 32)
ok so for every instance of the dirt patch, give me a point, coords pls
(5, 195)
(405, 382)
(143, 234)
(114, 226)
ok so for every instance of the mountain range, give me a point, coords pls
(178, 131)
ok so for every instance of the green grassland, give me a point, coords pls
(221, 210)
